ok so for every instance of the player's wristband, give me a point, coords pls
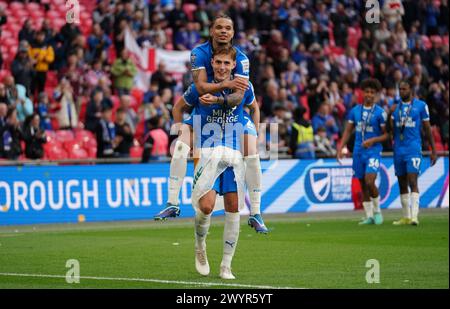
(225, 100)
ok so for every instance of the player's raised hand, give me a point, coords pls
(208, 99)
(239, 83)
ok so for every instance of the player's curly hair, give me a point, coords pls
(225, 50)
(371, 83)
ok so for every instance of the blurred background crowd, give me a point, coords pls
(67, 90)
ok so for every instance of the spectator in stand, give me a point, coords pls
(10, 91)
(187, 37)
(323, 118)
(156, 141)
(44, 111)
(74, 73)
(340, 23)
(11, 136)
(275, 45)
(105, 133)
(34, 137)
(94, 110)
(98, 43)
(42, 56)
(3, 112)
(349, 65)
(322, 144)
(130, 115)
(67, 114)
(302, 136)
(4, 98)
(393, 11)
(156, 108)
(162, 77)
(124, 135)
(22, 68)
(24, 106)
(94, 75)
(123, 70)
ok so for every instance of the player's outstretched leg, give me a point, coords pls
(178, 166)
(253, 181)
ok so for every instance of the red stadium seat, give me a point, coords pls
(84, 136)
(16, 6)
(136, 151)
(55, 152)
(69, 146)
(64, 135)
(78, 153)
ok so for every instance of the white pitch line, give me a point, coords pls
(154, 280)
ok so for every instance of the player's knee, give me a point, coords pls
(231, 203)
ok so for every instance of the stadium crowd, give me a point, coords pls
(67, 89)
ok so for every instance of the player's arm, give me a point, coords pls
(429, 135)
(180, 107)
(231, 100)
(255, 113)
(200, 79)
(345, 137)
(377, 139)
(390, 121)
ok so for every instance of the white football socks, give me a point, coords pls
(253, 180)
(178, 166)
(230, 237)
(368, 207)
(202, 223)
(404, 200)
(376, 204)
(414, 206)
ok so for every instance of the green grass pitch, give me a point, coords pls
(326, 250)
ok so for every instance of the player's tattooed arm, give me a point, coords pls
(235, 98)
(201, 83)
(428, 133)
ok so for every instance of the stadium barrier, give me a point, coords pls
(104, 192)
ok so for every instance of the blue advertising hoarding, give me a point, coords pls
(58, 194)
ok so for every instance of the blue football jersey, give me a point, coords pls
(410, 116)
(201, 57)
(215, 124)
(368, 123)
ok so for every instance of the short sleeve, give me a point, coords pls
(242, 66)
(198, 59)
(351, 115)
(383, 118)
(425, 113)
(190, 96)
